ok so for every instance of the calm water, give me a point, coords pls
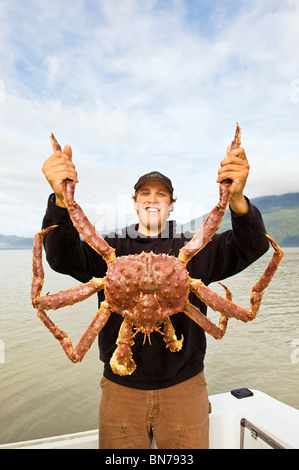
(43, 394)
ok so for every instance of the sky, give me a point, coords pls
(141, 85)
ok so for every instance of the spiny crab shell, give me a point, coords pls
(147, 288)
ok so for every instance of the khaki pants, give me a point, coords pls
(177, 417)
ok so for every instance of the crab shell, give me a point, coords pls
(147, 288)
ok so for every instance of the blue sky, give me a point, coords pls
(141, 85)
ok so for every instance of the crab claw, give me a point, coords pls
(121, 361)
(170, 338)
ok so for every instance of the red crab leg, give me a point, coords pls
(170, 337)
(79, 219)
(195, 314)
(63, 298)
(70, 296)
(230, 309)
(121, 361)
(76, 354)
(223, 318)
(37, 266)
(217, 302)
(213, 221)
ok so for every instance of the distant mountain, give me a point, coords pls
(12, 242)
(280, 214)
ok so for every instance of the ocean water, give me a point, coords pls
(43, 394)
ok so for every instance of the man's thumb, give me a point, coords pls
(68, 150)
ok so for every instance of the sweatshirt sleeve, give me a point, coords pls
(66, 253)
(234, 250)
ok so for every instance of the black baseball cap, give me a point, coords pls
(154, 175)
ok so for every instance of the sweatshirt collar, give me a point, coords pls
(132, 232)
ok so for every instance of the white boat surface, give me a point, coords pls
(255, 422)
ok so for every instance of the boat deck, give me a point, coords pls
(254, 422)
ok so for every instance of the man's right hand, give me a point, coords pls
(57, 168)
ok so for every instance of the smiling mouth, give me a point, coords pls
(152, 209)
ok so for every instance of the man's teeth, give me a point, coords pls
(152, 209)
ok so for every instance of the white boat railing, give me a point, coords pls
(257, 433)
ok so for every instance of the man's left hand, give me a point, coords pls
(235, 166)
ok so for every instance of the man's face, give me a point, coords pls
(153, 204)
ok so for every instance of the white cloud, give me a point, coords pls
(141, 85)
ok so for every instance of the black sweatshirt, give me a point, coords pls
(227, 254)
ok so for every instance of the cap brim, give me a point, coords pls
(140, 183)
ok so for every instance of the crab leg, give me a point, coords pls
(223, 318)
(217, 302)
(195, 314)
(79, 219)
(121, 361)
(213, 221)
(76, 354)
(63, 298)
(170, 338)
(37, 266)
(230, 309)
(70, 296)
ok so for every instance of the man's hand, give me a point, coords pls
(235, 167)
(57, 168)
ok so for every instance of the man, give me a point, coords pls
(166, 396)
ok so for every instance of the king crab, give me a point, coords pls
(145, 289)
